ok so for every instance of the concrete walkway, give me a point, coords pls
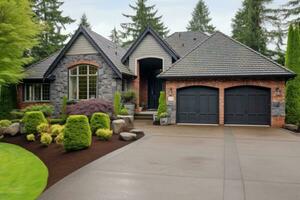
(192, 162)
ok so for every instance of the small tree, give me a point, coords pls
(115, 37)
(117, 103)
(84, 21)
(162, 104)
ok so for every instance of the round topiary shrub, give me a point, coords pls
(100, 121)
(31, 120)
(46, 139)
(77, 133)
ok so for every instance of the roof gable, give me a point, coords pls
(157, 38)
(222, 56)
(81, 46)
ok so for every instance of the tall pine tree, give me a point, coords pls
(200, 19)
(51, 39)
(292, 11)
(18, 31)
(144, 16)
(248, 24)
(115, 37)
(84, 21)
(293, 63)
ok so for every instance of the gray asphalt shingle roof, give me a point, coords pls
(220, 55)
(183, 42)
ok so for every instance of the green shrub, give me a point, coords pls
(42, 128)
(164, 115)
(46, 139)
(16, 114)
(5, 123)
(124, 111)
(15, 120)
(56, 129)
(117, 103)
(57, 121)
(129, 97)
(162, 107)
(31, 120)
(30, 137)
(104, 134)
(59, 139)
(100, 120)
(77, 133)
(47, 110)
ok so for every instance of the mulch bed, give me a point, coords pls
(61, 163)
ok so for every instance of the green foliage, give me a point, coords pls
(30, 137)
(123, 111)
(115, 37)
(164, 115)
(162, 104)
(104, 134)
(57, 121)
(56, 130)
(77, 133)
(46, 109)
(293, 89)
(5, 123)
(200, 19)
(49, 13)
(129, 97)
(17, 36)
(31, 120)
(100, 121)
(15, 114)
(42, 128)
(84, 21)
(64, 114)
(59, 139)
(143, 17)
(292, 11)
(8, 98)
(46, 139)
(117, 103)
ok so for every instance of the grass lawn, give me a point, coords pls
(22, 174)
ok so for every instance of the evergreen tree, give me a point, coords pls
(84, 21)
(200, 19)
(292, 11)
(51, 39)
(115, 37)
(248, 24)
(18, 31)
(144, 16)
(293, 62)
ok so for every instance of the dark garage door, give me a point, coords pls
(247, 105)
(198, 105)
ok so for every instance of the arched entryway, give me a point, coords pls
(198, 104)
(247, 105)
(150, 85)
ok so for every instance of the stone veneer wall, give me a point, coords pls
(108, 82)
(277, 98)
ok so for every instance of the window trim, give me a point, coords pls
(32, 92)
(77, 75)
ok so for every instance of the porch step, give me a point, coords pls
(144, 115)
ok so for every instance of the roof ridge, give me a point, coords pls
(187, 32)
(256, 52)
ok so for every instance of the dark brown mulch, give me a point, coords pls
(61, 163)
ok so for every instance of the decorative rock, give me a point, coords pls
(291, 127)
(129, 119)
(118, 126)
(137, 131)
(13, 129)
(127, 136)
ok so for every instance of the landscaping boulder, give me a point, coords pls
(137, 131)
(12, 129)
(129, 119)
(291, 127)
(118, 126)
(127, 136)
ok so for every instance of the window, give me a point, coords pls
(83, 82)
(36, 92)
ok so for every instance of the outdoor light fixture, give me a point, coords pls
(277, 91)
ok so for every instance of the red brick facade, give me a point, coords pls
(277, 89)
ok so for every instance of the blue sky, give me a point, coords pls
(105, 14)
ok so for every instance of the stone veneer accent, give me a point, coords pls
(277, 100)
(108, 82)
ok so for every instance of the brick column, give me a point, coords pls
(136, 85)
(221, 105)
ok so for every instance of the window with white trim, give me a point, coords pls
(83, 82)
(34, 92)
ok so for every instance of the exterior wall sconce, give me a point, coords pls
(278, 91)
(170, 95)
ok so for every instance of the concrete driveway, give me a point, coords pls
(192, 162)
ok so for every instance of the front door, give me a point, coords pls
(154, 88)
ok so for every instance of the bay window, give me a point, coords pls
(83, 82)
(35, 92)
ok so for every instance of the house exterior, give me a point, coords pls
(208, 79)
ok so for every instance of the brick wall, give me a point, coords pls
(277, 89)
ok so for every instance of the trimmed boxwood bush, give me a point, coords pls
(31, 120)
(104, 134)
(162, 105)
(77, 133)
(100, 120)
